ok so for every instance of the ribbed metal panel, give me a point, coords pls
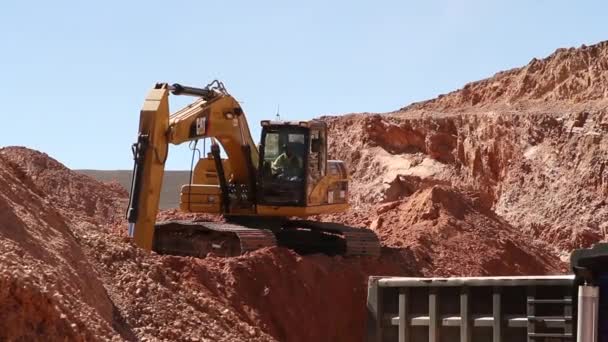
(498, 309)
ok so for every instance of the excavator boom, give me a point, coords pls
(157, 129)
(150, 153)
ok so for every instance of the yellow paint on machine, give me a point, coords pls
(154, 122)
(220, 117)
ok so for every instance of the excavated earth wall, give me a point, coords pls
(502, 177)
(542, 170)
(529, 144)
(85, 280)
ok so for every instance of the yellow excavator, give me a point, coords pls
(263, 192)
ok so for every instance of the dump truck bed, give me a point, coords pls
(498, 309)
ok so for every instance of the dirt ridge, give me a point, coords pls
(500, 177)
(572, 74)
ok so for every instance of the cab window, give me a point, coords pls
(271, 146)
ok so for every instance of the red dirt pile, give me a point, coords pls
(477, 182)
(574, 75)
(134, 295)
(70, 277)
(292, 297)
(260, 296)
(531, 146)
(47, 286)
(449, 233)
(76, 196)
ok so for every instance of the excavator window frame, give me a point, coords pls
(287, 129)
(319, 146)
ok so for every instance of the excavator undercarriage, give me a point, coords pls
(199, 239)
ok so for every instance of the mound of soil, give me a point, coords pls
(64, 275)
(137, 295)
(531, 145)
(494, 179)
(76, 196)
(292, 297)
(110, 289)
(451, 233)
(574, 75)
(47, 286)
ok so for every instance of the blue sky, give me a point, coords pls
(74, 73)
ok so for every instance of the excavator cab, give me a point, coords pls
(293, 160)
(284, 157)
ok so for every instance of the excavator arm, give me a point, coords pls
(217, 115)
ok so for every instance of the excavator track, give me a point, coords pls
(351, 241)
(199, 239)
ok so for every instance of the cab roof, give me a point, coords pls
(308, 124)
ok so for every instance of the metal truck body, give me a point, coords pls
(498, 309)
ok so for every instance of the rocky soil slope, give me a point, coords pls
(529, 144)
(69, 273)
(47, 285)
(66, 273)
(476, 182)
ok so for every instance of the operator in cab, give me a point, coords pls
(288, 164)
